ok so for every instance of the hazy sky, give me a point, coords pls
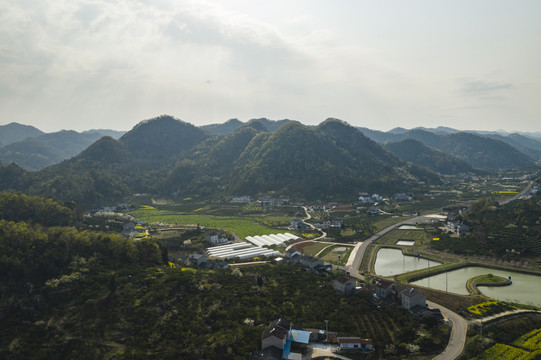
(467, 64)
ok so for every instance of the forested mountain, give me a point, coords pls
(480, 152)
(511, 231)
(167, 156)
(161, 139)
(14, 132)
(436, 160)
(333, 158)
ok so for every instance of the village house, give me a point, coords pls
(384, 289)
(278, 338)
(215, 239)
(276, 334)
(401, 197)
(314, 265)
(197, 259)
(344, 285)
(366, 200)
(297, 224)
(317, 208)
(348, 343)
(292, 253)
(244, 199)
(411, 298)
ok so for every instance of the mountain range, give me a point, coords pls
(170, 157)
(32, 149)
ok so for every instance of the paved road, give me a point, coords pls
(308, 217)
(356, 256)
(504, 314)
(458, 333)
(316, 349)
(460, 325)
(517, 196)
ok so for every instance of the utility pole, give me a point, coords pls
(327, 328)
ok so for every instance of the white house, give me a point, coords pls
(411, 298)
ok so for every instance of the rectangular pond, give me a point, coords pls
(390, 262)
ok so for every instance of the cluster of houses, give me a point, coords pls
(456, 227)
(280, 341)
(410, 299)
(329, 223)
(202, 261)
(298, 225)
(244, 199)
(216, 239)
(133, 230)
(267, 201)
(309, 263)
(364, 198)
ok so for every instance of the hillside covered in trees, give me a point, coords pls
(511, 231)
(66, 293)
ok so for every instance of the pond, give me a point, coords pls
(391, 262)
(525, 289)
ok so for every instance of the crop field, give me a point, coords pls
(243, 226)
(504, 352)
(488, 308)
(530, 341)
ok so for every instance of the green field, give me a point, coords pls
(381, 222)
(243, 226)
(419, 236)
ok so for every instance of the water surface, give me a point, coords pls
(391, 262)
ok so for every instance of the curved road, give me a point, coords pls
(460, 325)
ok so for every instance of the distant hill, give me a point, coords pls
(233, 124)
(481, 152)
(14, 132)
(525, 144)
(223, 129)
(115, 134)
(436, 160)
(48, 149)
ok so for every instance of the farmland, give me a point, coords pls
(242, 225)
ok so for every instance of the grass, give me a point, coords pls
(336, 254)
(312, 250)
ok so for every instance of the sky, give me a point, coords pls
(465, 64)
